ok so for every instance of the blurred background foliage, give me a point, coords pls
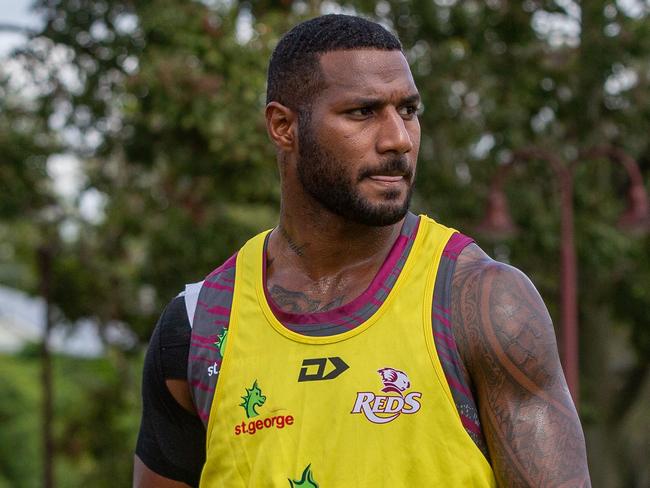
(160, 102)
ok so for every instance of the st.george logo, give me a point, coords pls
(306, 481)
(251, 400)
(381, 409)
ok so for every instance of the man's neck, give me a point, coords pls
(328, 259)
(325, 244)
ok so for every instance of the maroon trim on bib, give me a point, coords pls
(446, 347)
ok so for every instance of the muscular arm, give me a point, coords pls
(506, 339)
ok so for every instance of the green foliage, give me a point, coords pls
(96, 411)
(26, 143)
(20, 423)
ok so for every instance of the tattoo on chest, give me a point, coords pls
(299, 302)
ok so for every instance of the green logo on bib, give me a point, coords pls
(221, 341)
(307, 480)
(252, 399)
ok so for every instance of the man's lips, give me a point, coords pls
(386, 178)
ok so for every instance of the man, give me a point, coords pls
(356, 344)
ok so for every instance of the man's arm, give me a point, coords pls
(170, 451)
(143, 477)
(506, 339)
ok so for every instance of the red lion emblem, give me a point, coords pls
(394, 380)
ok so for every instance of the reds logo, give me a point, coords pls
(394, 380)
(381, 409)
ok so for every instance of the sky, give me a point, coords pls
(15, 12)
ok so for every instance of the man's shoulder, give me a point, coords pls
(474, 263)
(497, 310)
(485, 284)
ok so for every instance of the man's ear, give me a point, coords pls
(281, 126)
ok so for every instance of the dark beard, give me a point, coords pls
(324, 177)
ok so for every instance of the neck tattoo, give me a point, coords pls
(292, 244)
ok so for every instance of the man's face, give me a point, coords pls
(358, 145)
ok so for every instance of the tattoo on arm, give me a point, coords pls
(506, 339)
(299, 302)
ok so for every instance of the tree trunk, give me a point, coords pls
(45, 270)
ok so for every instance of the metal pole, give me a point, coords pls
(636, 218)
(568, 267)
(568, 285)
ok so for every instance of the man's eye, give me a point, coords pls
(409, 111)
(361, 112)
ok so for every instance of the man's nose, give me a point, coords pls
(393, 135)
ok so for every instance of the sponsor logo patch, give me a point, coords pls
(213, 369)
(306, 481)
(314, 369)
(251, 401)
(221, 341)
(381, 409)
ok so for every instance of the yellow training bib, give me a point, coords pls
(366, 408)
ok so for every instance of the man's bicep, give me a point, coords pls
(507, 341)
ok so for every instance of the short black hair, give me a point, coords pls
(294, 74)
